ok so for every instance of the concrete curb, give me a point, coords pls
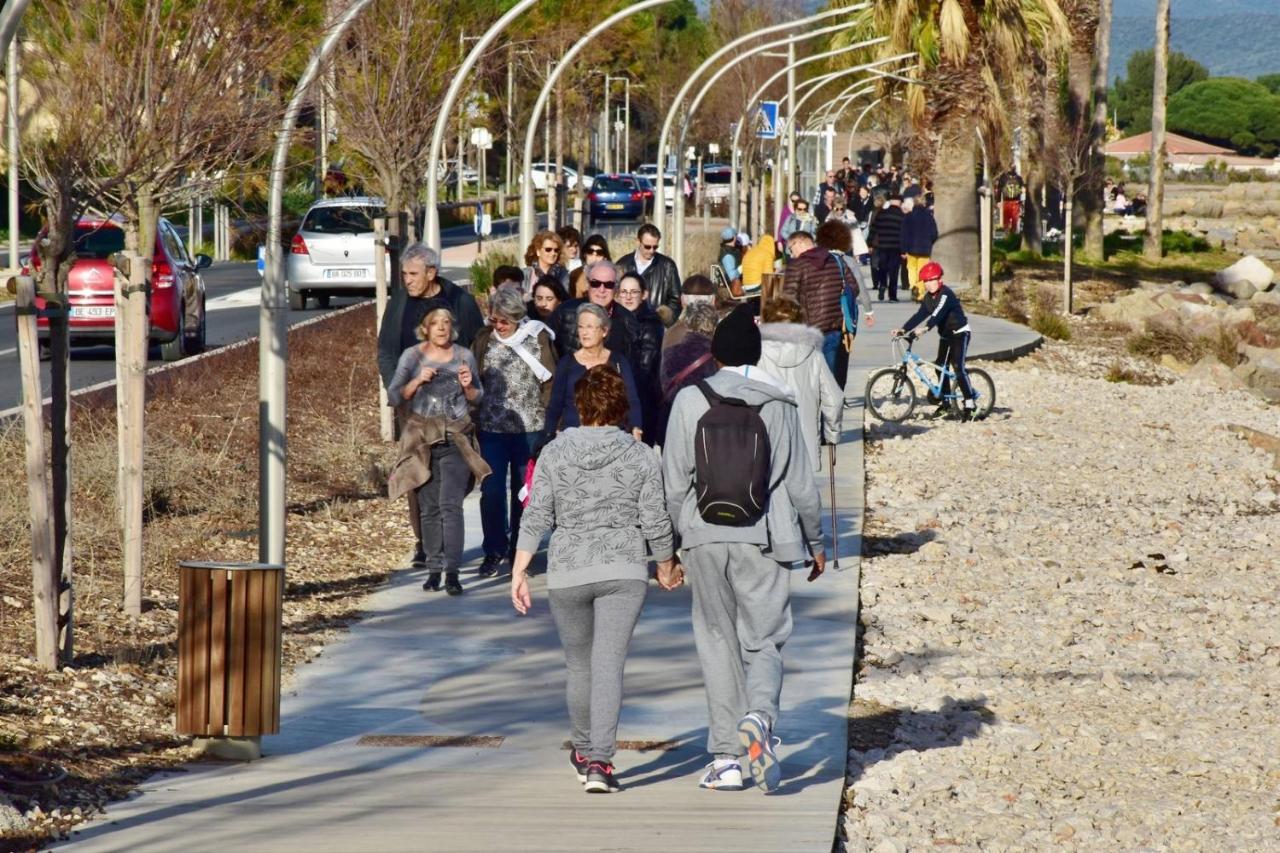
(1011, 354)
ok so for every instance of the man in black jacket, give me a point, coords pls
(423, 291)
(885, 239)
(602, 289)
(658, 271)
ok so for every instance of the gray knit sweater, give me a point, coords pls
(601, 491)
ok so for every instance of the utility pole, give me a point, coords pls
(511, 97)
(11, 80)
(626, 147)
(604, 125)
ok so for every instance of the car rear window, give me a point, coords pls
(717, 177)
(613, 185)
(341, 220)
(98, 243)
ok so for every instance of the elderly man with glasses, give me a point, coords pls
(424, 291)
(602, 290)
(659, 272)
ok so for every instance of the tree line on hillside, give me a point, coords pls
(1228, 111)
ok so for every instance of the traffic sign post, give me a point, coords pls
(767, 120)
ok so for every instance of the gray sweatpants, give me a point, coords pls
(741, 618)
(595, 622)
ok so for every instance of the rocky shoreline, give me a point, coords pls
(1070, 618)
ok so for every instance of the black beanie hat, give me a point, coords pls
(737, 339)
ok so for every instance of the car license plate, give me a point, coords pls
(356, 273)
(95, 312)
(614, 206)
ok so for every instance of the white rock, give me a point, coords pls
(1243, 278)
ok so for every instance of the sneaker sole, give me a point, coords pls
(722, 787)
(596, 787)
(761, 759)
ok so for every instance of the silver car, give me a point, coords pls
(332, 253)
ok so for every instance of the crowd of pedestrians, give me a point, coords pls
(639, 419)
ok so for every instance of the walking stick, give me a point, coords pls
(835, 534)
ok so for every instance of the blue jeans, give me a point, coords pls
(835, 355)
(507, 454)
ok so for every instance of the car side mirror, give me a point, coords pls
(203, 262)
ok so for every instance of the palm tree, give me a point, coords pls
(1151, 247)
(973, 62)
(1093, 246)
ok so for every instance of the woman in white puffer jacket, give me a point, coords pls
(791, 352)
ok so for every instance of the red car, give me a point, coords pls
(175, 306)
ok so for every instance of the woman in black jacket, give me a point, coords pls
(646, 349)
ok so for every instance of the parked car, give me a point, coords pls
(332, 253)
(648, 170)
(615, 196)
(540, 173)
(646, 190)
(716, 181)
(175, 303)
(448, 173)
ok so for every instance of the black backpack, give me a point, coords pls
(731, 461)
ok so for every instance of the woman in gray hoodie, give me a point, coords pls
(588, 480)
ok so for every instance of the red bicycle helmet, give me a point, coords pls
(930, 271)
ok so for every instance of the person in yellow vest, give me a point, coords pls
(757, 261)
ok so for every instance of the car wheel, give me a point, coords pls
(176, 348)
(297, 300)
(322, 300)
(196, 342)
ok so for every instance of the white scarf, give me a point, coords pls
(526, 328)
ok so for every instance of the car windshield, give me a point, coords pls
(98, 241)
(341, 220)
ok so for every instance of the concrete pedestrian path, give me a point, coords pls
(439, 723)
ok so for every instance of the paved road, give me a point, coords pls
(427, 665)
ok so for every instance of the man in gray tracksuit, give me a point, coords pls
(740, 576)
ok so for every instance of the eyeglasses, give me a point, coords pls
(629, 292)
(594, 250)
(802, 208)
(494, 321)
(550, 249)
(608, 285)
(649, 246)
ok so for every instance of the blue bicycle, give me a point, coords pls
(891, 391)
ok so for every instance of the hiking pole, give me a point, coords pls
(835, 534)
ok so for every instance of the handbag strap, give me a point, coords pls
(674, 385)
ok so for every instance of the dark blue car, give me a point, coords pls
(615, 196)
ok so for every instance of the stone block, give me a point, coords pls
(1244, 278)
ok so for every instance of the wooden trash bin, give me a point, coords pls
(229, 631)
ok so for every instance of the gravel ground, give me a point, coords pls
(1071, 620)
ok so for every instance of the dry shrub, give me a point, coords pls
(1012, 303)
(1045, 318)
(1161, 339)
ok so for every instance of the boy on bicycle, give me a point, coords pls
(940, 309)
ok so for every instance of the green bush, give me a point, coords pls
(495, 256)
(1183, 242)
(297, 199)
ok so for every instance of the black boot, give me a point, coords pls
(489, 566)
(451, 584)
(432, 583)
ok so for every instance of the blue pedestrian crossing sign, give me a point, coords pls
(767, 120)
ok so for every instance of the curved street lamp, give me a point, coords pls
(659, 194)
(431, 225)
(528, 219)
(273, 332)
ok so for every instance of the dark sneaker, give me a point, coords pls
(451, 584)
(600, 779)
(943, 411)
(432, 583)
(419, 560)
(757, 740)
(723, 774)
(580, 764)
(489, 566)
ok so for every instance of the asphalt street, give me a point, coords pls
(232, 291)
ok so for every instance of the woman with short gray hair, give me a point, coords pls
(593, 324)
(516, 361)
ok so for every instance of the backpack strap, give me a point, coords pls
(674, 385)
(712, 396)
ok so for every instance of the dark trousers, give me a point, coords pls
(440, 500)
(952, 350)
(885, 273)
(836, 356)
(500, 509)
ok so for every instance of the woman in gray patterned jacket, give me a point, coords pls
(589, 480)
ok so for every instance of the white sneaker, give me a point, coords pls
(756, 736)
(723, 774)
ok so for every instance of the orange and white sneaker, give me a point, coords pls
(756, 737)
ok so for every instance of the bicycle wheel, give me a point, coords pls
(890, 395)
(986, 391)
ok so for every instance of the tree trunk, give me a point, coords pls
(1032, 214)
(1095, 178)
(1151, 247)
(43, 578)
(554, 202)
(955, 206)
(60, 417)
(385, 426)
(131, 362)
